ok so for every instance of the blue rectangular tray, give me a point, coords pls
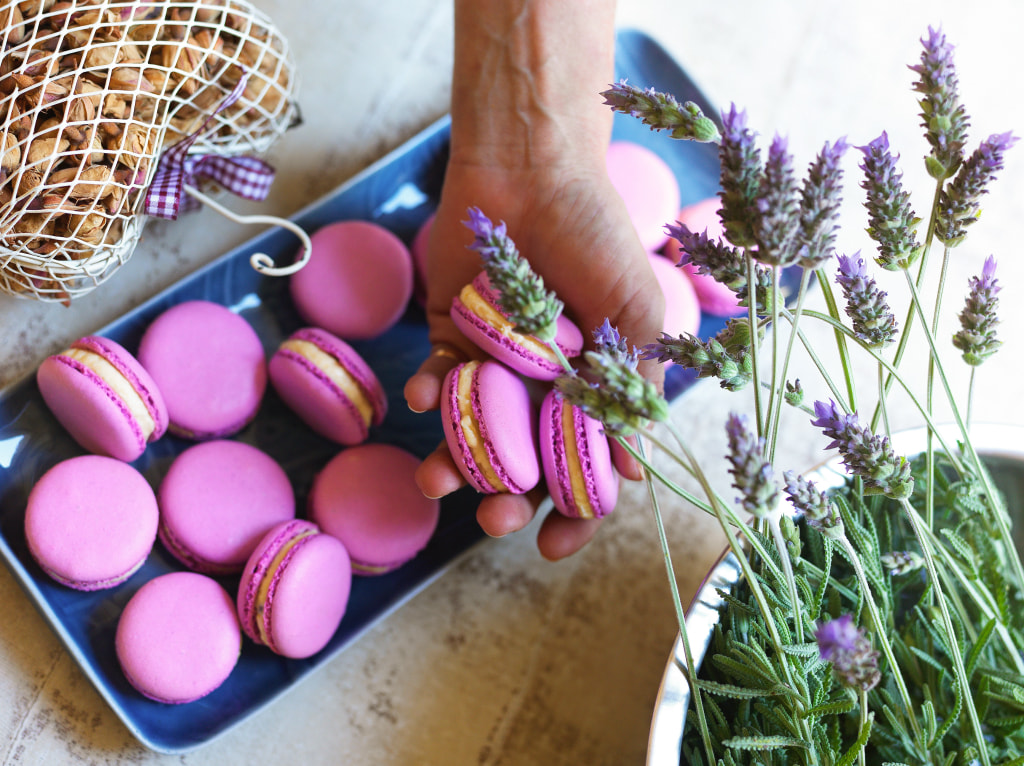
(399, 192)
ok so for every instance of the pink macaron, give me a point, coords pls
(682, 308)
(367, 497)
(714, 297)
(91, 521)
(577, 460)
(476, 313)
(178, 637)
(490, 426)
(104, 397)
(210, 366)
(328, 385)
(294, 589)
(358, 281)
(647, 186)
(217, 500)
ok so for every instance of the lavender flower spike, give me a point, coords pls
(661, 111)
(752, 474)
(613, 391)
(959, 204)
(849, 650)
(942, 115)
(820, 198)
(977, 336)
(531, 308)
(891, 221)
(873, 321)
(740, 178)
(867, 455)
(778, 211)
(813, 504)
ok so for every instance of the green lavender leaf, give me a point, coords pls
(763, 743)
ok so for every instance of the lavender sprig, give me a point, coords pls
(778, 211)
(726, 356)
(959, 204)
(531, 308)
(849, 650)
(723, 263)
(977, 336)
(899, 563)
(740, 178)
(661, 111)
(873, 321)
(867, 455)
(813, 504)
(752, 474)
(613, 391)
(820, 199)
(891, 221)
(942, 115)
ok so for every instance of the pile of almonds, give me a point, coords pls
(90, 92)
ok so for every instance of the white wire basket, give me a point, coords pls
(91, 93)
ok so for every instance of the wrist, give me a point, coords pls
(527, 81)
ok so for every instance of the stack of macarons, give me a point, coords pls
(226, 512)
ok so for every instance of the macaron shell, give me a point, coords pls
(178, 637)
(358, 280)
(599, 477)
(91, 521)
(367, 497)
(217, 500)
(95, 416)
(307, 593)
(714, 297)
(507, 424)
(648, 188)
(316, 399)
(210, 366)
(682, 307)
(507, 349)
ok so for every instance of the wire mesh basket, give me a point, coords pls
(91, 93)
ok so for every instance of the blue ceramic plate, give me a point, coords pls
(398, 192)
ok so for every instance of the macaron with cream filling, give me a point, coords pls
(577, 460)
(104, 398)
(490, 427)
(294, 589)
(328, 385)
(478, 315)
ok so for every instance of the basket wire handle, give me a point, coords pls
(262, 262)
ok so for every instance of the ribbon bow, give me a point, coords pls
(248, 177)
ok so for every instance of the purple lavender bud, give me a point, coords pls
(959, 204)
(873, 321)
(723, 263)
(608, 341)
(977, 336)
(740, 162)
(661, 111)
(849, 650)
(901, 562)
(778, 212)
(531, 308)
(942, 115)
(891, 221)
(752, 474)
(820, 198)
(867, 455)
(727, 356)
(813, 504)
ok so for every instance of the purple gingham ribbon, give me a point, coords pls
(248, 177)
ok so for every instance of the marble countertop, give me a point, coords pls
(508, 659)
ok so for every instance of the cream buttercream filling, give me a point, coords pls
(336, 373)
(470, 427)
(574, 466)
(119, 384)
(476, 303)
(268, 579)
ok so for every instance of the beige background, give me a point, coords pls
(508, 659)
